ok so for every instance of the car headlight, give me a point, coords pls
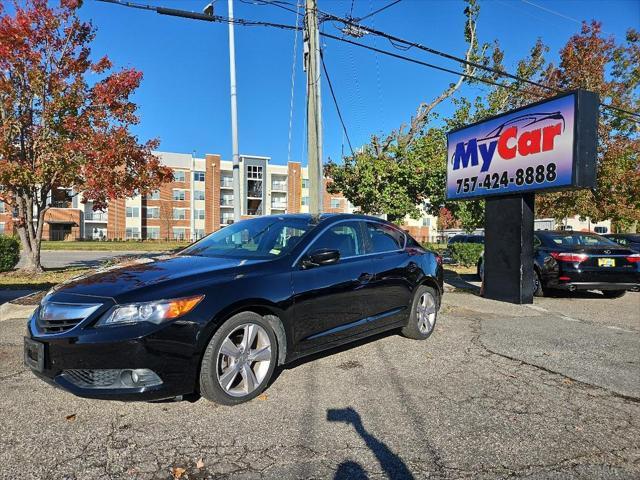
(154, 312)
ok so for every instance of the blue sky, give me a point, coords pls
(184, 97)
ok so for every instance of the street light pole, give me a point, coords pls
(234, 118)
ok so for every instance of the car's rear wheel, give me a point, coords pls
(613, 293)
(424, 313)
(239, 360)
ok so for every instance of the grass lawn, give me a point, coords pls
(17, 280)
(159, 246)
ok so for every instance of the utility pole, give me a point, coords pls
(314, 107)
(237, 201)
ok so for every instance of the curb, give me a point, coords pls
(12, 311)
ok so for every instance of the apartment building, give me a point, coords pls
(200, 199)
(197, 202)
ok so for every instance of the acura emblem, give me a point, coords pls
(607, 252)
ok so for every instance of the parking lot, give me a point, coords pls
(499, 391)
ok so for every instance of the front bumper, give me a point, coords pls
(170, 351)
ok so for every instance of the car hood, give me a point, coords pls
(151, 272)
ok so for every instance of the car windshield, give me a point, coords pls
(579, 240)
(260, 238)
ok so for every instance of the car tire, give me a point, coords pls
(613, 293)
(230, 360)
(424, 313)
(538, 289)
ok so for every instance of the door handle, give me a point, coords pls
(365, 277)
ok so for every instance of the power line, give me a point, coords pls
(335, 102)
(378, 11)
(243, 22)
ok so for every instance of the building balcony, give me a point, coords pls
(226, 183)
(96, 217)
(254, 194)
(225, 202)
(279, 186)
(278, 206)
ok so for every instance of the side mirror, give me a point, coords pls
(323, 256)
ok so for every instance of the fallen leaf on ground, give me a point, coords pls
(567, 381)
(200, 464)
(263, 396)
(177, 472)
(70, 418)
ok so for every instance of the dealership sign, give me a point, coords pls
(549, 145)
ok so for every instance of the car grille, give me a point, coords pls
(56, 317)
(95, 378)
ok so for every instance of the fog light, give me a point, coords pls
(140, 377)
(112, 378)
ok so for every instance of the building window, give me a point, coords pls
(153, 233)
(179, 233)
(2, 207)
(305, 201)
(178, 194)
(153, 212)
(426, 222)
(335, 203)
(226, 200)
(155, 195)
(179, 213)
(199, 233)
(226, 181)
(198, 214)
(178, 176)
(132, 233)
(198, 195)
(305, 183)
(2, 228)
(227, 218)
(133, 212)
(254, 172)
(198, 176)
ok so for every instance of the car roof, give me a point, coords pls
(333, 216)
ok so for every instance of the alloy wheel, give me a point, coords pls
(426, 313)
(243, 361)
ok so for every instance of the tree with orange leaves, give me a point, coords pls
(56, 129)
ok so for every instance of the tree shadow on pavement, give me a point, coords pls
(391, 463)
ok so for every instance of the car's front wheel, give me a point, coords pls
(424, 313)
(239, 360)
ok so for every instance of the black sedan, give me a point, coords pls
(218, 317)
(628, 240)
(583, 261)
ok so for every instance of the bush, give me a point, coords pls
(466, 254)
(439, 248)
(9, 253)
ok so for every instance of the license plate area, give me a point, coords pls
(606, 262)
(34, 354)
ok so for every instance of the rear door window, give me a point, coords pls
(383, 238)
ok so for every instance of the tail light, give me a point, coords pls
(569, 257)
(635, 258)
(438, 259)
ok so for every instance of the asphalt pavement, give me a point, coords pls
(548, 391)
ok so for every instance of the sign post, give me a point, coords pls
(545, 146)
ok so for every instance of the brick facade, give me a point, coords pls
(294, 187)
(212, 193)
